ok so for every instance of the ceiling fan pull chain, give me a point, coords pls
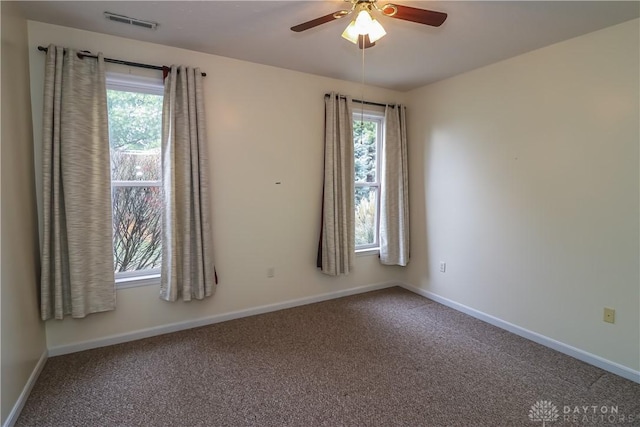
(362, 92)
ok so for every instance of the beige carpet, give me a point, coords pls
(385, 358)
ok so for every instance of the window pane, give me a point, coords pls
(364, 138)
(135, 120)
(366, 206)
(137, 238)
(135, 130)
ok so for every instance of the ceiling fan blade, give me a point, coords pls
(319, 21)
(364, 42)
(421, 16)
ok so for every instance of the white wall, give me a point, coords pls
(524, 180)
(22, 333)
(265, 125)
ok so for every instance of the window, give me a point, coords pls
(135, 130)
(367, 139)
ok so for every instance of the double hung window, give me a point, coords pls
(367, 138)
(135, 130)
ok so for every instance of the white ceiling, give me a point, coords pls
(475, 34)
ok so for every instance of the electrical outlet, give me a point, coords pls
(443, 266)
(609, 315)
(271, 272)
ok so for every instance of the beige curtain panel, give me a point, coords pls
(394, 197)
(187, 249)
(336, 250)
(77, 256)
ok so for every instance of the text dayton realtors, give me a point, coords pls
(595, 413)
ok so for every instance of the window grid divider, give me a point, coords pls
(136, 183)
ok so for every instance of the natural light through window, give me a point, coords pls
(367, 136)
(135, 128)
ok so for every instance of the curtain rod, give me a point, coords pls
(81, 54)
(358, 101)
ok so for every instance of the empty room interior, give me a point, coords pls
(228, 213)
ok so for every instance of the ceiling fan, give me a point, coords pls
(364, 29)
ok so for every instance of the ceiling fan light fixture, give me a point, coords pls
(363, 21)
(351, 33)
(362, 25)
(376, 31)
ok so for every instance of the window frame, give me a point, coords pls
(377, 117)
(151, 86)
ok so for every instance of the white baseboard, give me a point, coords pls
(22, 399)
(582, 355)
(223, 317)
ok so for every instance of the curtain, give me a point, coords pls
(77, 275)
(336, 249)
(394, 197)
(187, 258)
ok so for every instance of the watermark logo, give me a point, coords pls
(545, 411)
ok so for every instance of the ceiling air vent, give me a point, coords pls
(131, 21)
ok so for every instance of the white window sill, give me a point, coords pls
(368, 252)
(137, 281)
